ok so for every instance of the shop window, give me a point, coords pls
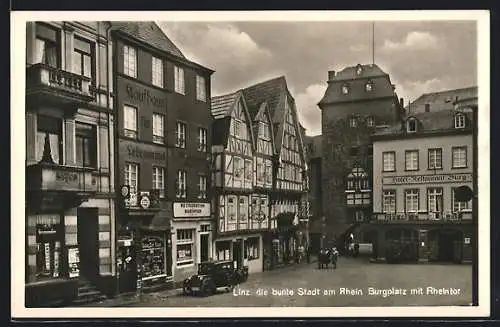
(202, 187)
(185, 247)
(435, 158)
(158, 128)
(153, 257)
(389, 161)
(48, 247)
(202, 139)
(129, 61)
(459, 157)
(47, 45)
(83, 58)
(52, 128)
(201, 89)
(179, 85)
(252, 248)
(180, 135)
(223, 250)
(159, 180)
(86, 145)
(131, 172)
(157, 71)
(130, 121)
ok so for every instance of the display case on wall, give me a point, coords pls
(153, 257)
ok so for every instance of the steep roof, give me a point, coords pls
(380, 81)
(442, 100)
(222, 104)
(271, 91)
(428, 123)
(150, 33)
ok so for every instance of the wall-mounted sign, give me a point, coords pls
(74, 262)
(467, 240)
(424, 179)
(145, 202)
(190, 209)
(145, 96)
(125, 191)
(141, 153)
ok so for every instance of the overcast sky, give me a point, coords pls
(419, 56)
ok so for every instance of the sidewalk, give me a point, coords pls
(134, 298)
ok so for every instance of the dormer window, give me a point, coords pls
(359, 70)
(411, 125)
(460, 121)
(368, 86)
(370, 121)
(345, 89)
(353, 122)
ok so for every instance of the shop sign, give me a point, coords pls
(424, 179)
(145, 202)
(191, 209)
(145, 96)
(467, 240)
(74, 262)
(137, 152)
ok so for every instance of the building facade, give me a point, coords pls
(317, 221)
(418, 166)
(288, 200)
(163, 136)
(69, 161)
(358, 100)
(242, 151)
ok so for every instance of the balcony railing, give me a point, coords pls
(422, 216)
(42, 78)
(52, 177)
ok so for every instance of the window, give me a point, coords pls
(223, 250)
(181, 184)
(458, 206)
(248, 170)
(86, 145)
(158, 128)
(47, 46)
(389, 161)
(243, 208)
(411, 200)
(252, 248)
(48, 246)
(129, 61)
(359, 70)
(370, 121)
(460, 121)
(185, 247)
(231, 207)
(202, 139)
(201, 89)
(83, 58)
(435, 199)
(202, 187)
(369, 151)
(238, 167)
(353, 122)
(369, 87)
(353, 151)
(51, 128)
(130, 121)
(179, 80)
(389, 201)
(411, 160)
(345, 89)
(427, 107)
(180, 135)
(411, 125)
(159, 180)
(131, 179)
(152, 256)
(269, 174)
(459, 157)
(435, 159)
(157, 71)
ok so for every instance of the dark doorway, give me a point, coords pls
(237, 254)
(127, 267)
(204, 254)
(88, 242)
(448, 249)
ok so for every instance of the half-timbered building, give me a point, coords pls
(239, 213)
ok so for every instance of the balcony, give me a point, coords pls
(57, 187)
(422, 217)
(46, 84)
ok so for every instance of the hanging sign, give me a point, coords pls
(145, 202)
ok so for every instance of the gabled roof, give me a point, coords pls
(442, 100)
(150, 33)
(428, 122)
(381, 85)
(222, 104)
(271, 91)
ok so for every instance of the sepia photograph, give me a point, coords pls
(188, 164)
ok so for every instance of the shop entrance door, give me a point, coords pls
(237, 253)
(204, 247)
(88, 242)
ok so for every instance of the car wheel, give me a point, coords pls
(206, 290)
(187, 290)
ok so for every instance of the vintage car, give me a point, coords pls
(213, 275)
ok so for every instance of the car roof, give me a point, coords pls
(217, 262)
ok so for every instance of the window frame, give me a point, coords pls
(180, 134)
(179, 80)
(127, 132)
(393, 153)
(255, 244)
(394, 196)
(408, 124)
(157, 138)
(412, 192)
(126, 61)
(201, 88)
(468, 204)
(127, 180)
(460, 118)
(155, 180)
(57, 131)
(92, 142)
(157, 78)
(181, 184)
(406, 160)
(344, 89)
(202, 186)
(82, 54)
(435, 191)
(202, 139)
(453, 163)
(183, 241)
(436, 150)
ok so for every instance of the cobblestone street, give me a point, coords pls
(348, 285)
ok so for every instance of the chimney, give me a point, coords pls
(331, 75)
(402, 102)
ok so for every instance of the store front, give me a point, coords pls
(243, 250)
